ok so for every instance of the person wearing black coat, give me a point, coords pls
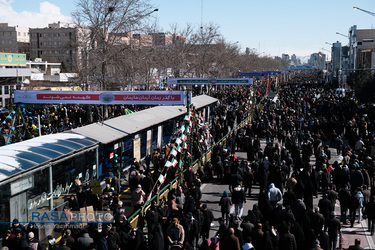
(207, 220)
(352, 205)
(334, 228)
(344, 198)
(157, 242)
(370, 212)
(248, 178)
(264, 205)
(152, 219)
(323, 239)
(316, 220)
(287, 240)
(325, 208)
(225, 203)
(356, 246)
(113, 239)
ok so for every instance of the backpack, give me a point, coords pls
(355, 201)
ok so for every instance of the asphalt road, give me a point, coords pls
(212, 192)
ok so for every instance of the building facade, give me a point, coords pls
(361, 48)
(59, 43)
(14, 39)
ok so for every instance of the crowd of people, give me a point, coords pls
(23, 121)
(308, 121)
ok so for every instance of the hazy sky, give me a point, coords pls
(271, 26)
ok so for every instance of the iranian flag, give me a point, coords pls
(183, 137)
(178, 141)
(179, 149)
(161, 178)
(168, 164)
(174, 162)
(182, 129)
(180, 164)
(185, 145)
(188, 129)
(187, 118)
(174, 152)
(189, 154)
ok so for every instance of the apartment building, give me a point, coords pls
(58, 43)
(14, 39)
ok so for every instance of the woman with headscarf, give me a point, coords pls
(225, 203)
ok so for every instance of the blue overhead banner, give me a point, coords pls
(260, 74)
(250, 74)
(210, 81)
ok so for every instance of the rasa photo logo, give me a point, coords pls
(72, 217)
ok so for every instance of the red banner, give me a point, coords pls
(102, 97)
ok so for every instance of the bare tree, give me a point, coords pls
(107, 27)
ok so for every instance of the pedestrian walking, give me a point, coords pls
(226, 204)
(274, 195)
(370, 213)
(238, 199)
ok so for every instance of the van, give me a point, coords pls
(340, 92)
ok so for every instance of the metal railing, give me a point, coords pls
(163, 193)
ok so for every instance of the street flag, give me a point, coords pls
(128, 111)
(174, 152)
(182, 129)
(168, 164)
(189, 154)
(319, 146)
(188, 129)
(180, 164)
(185, 145)
(161, 178)
(179, 149)
(274, 232)
(187, 118)
(178, 141)
(183, 137)
(174, 162)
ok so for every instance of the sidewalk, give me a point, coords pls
(359, 231)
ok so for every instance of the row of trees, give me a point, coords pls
(113, 58)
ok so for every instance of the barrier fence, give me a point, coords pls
(163, 193)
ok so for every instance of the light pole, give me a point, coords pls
(338, 33)
(366, 11)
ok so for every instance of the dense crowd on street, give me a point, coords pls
(24, 121)
(308, 121)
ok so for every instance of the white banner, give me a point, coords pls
(102, 97)
(210, 81)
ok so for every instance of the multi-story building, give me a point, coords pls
(165, 39)
(14, 39)
(59, 43)
(8, 38)
(361, 48)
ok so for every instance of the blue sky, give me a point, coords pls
(271, 26)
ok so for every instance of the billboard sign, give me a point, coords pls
(210, 81)
(102, 97)
(12, 59)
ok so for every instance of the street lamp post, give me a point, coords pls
(338, 33)
(366, 11)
